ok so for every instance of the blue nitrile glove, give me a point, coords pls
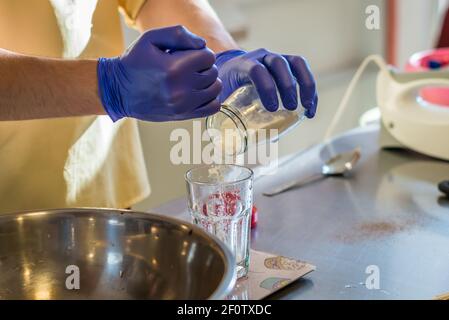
(167, 74)
(267, 70)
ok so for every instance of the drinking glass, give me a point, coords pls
(220, 199)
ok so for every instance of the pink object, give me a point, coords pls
(254, 217)
(420, 62)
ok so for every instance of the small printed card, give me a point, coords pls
(267, 274)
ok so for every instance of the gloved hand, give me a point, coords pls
(267, 70)
(167, 74)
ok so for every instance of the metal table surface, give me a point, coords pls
(387, 213)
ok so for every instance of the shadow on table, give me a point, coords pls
(295, 288)
(443, 202)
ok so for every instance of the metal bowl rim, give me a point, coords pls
(229, 277)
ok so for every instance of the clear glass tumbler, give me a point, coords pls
(243, 122)
(220, 199)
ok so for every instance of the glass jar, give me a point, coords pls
(243, 122)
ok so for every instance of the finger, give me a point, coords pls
(202, 80)
(200, 97)
(174, 38)
(265, 86)
(193, 60)
(207, 109)
(283, 76)
(302, 73)
(310, 113)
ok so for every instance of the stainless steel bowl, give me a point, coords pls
(117, 255)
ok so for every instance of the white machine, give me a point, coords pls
(408, 121)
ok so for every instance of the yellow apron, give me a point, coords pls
(78, 161)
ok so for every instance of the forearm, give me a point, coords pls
(195, 15)
(36, 88)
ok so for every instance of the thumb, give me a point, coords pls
(174, 38)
